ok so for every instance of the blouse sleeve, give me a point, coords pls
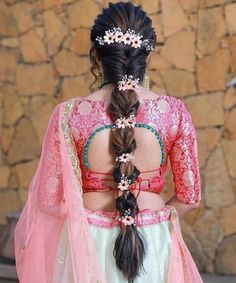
(184, 160)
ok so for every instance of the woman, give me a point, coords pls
(94, 213)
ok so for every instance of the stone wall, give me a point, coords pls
(44, 60)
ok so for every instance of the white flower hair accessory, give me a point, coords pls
(127, 219)
(125, 157)
(124, 183)
(127, 82)
(125, 122)
(130, 37)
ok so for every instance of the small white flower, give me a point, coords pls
(127, 82)
(137, 42)
(128, 38)
(147, 45)
(109, 37)
(130, 122)
(127, 220)
(100, 40)
(125, 157)
(124, 183)
(119, 36)
(122, 85)
(121, 122)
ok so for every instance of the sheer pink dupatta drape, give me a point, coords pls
(182, 268)
(55, 192)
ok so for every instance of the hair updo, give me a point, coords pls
(117, 61)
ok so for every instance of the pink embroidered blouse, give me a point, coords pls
(166, 117)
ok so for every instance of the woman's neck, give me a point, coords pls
(107, 85)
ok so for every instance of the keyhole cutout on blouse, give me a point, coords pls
(149, 154)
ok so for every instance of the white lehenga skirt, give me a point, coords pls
(154, 225)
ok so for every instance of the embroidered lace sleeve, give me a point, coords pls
(184, 160)
(50, 169)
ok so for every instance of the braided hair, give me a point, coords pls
(117, 61)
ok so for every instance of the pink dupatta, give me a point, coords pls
(55, 192)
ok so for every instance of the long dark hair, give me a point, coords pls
(118, 60)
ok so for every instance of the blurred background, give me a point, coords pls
(44, 60)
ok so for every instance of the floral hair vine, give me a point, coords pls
(130, 37)
(124, 183)
(125, 157)
(127, 219)
(128, 82)
(123, 122)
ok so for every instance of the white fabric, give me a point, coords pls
(158, 240)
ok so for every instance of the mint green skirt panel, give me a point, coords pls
(155, 268)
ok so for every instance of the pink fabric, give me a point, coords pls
(182, 268)
(109, 219)
(154, 184)
(170, 118)
(55, 192)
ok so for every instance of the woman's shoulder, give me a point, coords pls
(62, 107)
(161, 95)
(65, 103)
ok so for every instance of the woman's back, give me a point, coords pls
(157, 126)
